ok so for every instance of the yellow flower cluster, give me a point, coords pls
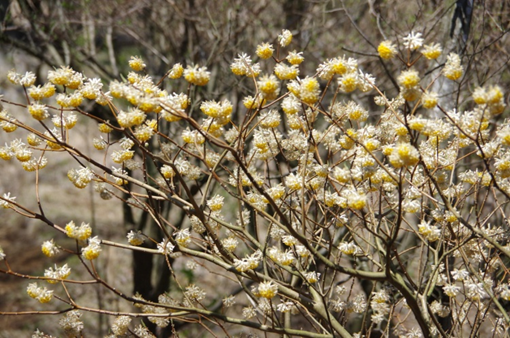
(386, 50)
(83, 232)
(42, 294)
(197, 75)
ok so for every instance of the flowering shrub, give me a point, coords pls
(323, 215)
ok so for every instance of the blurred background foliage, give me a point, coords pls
(98, 38)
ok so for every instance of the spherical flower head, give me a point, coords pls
(192, 137)
(136, 63)
(28, 79)
(286, 258)
(480, 95)
(265, 50)
(63, 100)
(38, 111)
(291, 105)
(147, 104)
(312, 277)
(229, 301)
(23, 154)
(2, 254)
(295, 122)
(194, 293)
(135, 238)
(453, 69)
(268, 289)
(242, 265)
(340, 66)
(295, 58)
(366, 81)
(14, 77)
(386, 50)
(372, 144)
(167, 171)
(429, 100)
(133, 78)
(126, 143)
(143, 133)
(276, 192)
(49, 248)
(120, 325)
(495, 95)
(75, 80)
(294, 182)
(80, 177)
(251, 102)
(165, 247)
(71, 229)
(48, 90)
(116, 89)
(197, 75)
(410, 94)
(33, 140)
(91, 90)
(36, 93)
(404, 154)
(99, 143)
(92, 250)
(269, 86)
(325, 70)
(119, 156)
(451, 290)
(450, 216)
(230, 243)
(182, 237)
(432, 51)
(134, 117)
(238, 68)
(43, 295)
(83, 232)
(416, 123)
(289, 240)
(355, 112)
(216, 109)
(67, 120)
(59, 273)
(413, 41)
(7, 126)
(176, 71)
(294, 87)
(356, 200)
(309, 90)
(216, 203)
(75, 99)
(285, 38)
(286, 72)
(380, 296)
(104, 128)
(348, 82)
(243, 65)
(409, 78)
(349, 248)
(269, 119)
(32, 290)
(33, 164)
(6, 154)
